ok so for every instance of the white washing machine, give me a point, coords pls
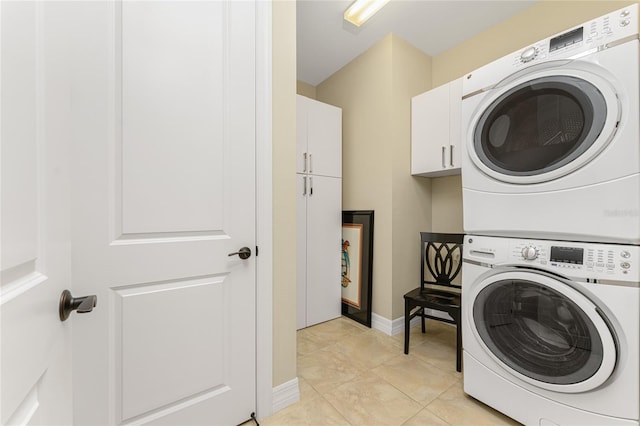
(551, 330)
(551, 140)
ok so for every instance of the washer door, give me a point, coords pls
(543, 331)
(543, 125)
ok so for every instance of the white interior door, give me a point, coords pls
(35, 367)
(164, 163)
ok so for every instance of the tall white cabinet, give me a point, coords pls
(319, 211)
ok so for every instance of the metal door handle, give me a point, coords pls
(451, 155)
(243, 253)
(443, 165)
(310, 164)
(304, 168)
(304, 191)
(69, 303)
(310, 186)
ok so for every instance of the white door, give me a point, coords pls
(164, 185)
(324, 139)
(302, 188)
(319, 138)
(35, 367)
(324, 236)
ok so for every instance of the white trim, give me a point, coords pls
(385, 325)
(286, 394)
(264, 221)
(396, 326)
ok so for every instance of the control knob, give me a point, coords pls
(529, 253)
(529, 54)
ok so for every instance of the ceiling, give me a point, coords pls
(325, 43)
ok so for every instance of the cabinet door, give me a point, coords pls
(435, 131)
(430, 131)
(324, 139)
(324, 237)
(301, 133)
(301, 262)
(455, 123)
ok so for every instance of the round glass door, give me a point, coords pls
(540, 127)
(544, 331)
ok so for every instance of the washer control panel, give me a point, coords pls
(576, 259)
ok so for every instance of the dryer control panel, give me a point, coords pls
(573, 259)
(598, 34)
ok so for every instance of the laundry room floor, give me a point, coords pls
(353, 375)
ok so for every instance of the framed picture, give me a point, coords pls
(357, 265)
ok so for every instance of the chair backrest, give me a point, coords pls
(441, 256)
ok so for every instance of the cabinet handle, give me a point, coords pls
(451, 155)
(304, 191)
(304, 168)
(443, 165)
(310, 163)
(310, 186)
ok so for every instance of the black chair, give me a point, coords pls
(441, 261)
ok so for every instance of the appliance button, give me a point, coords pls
(625, 265)
(590, 264)
(529, 253)
(625, 254)
(600, 264)
(610, 265)
(529, 54)
(624, 13)
(623, 23)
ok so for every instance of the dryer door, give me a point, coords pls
(543, 125)
(543, 331)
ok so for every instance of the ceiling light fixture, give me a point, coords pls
(361, 10)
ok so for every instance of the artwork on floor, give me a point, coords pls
(357, 265)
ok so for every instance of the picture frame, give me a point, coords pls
(357, 265)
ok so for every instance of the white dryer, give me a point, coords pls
(551, 330)
(551, 140)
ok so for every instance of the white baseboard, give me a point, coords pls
(396, 326)
(285, 395)
(389, 327)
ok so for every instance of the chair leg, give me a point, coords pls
(422, 319)
(407, 321)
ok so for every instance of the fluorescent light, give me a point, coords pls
(361, 10)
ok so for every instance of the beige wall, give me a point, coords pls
(539, 21)
(306, 89)
(374, 92)
(284, 187)
(410, 196)
(362, 89)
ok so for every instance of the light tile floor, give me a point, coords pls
(352, 375)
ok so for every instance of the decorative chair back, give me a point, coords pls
(442, 255)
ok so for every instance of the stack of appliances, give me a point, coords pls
(551, 194)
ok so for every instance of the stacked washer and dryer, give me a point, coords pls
(551, 194)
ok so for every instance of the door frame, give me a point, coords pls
(264, 216)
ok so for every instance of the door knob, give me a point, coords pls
(243, 253)
(69, 303)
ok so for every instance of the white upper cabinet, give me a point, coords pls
(319, 136)
(435, 131)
